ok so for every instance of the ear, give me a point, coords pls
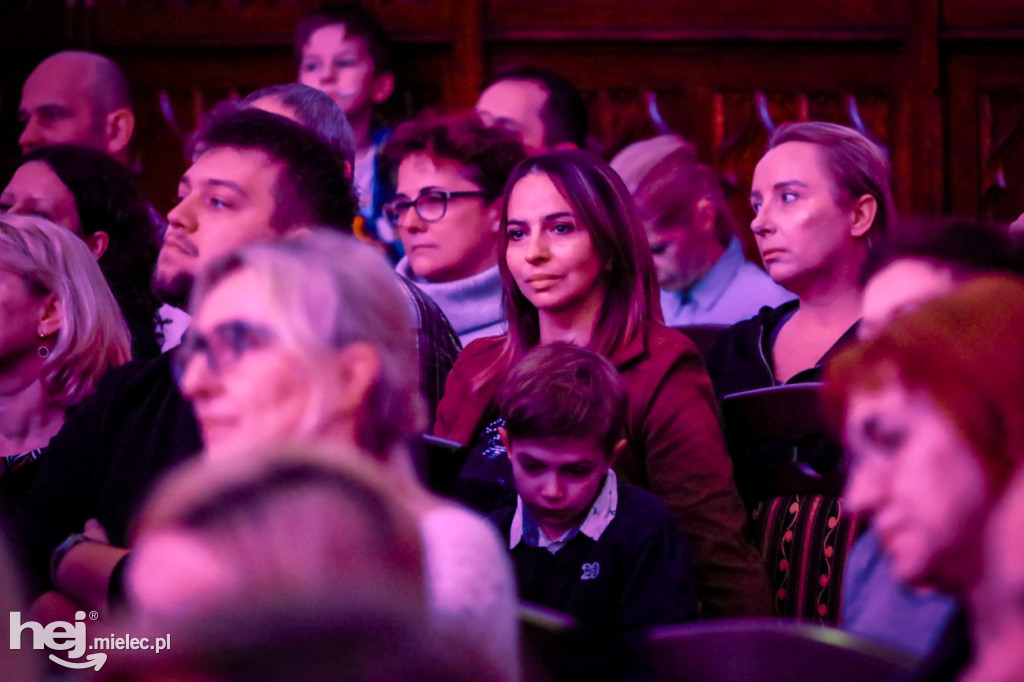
(503, 435)
(618, 451)
(863, 215)
(120, 125)
(298, 232)
(348, 171)
(382, 86)
(704, 217)
(560, 146)
(98, 243)
(357, 367)
(492, 212)
(51, 316)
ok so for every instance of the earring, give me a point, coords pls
(43, 351)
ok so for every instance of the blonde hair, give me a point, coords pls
(93, 336)
(332, 291)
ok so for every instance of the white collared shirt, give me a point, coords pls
(525, 529)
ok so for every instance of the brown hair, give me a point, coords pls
(965, 351)
(486, 155)
(669, 192)
(533, 403)
(599, 200)
(857, 165)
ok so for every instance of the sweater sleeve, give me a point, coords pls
(462, 407)
(686, 465)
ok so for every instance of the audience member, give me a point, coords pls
(295, 524)
(703, 274)
(931, 418)
(98, 199)
(61, 330)
(345, 52)
(77, 98)
(573, 518)
(312, 109)
(576, 267)
(921, 262)
(542, 107)
(822, 199)
(259, 176)
(925, 260)
(307, 340)
(450, 174)
(999, 632)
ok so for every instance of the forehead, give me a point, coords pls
(253, 170)
(513, 99)
(335, 38)
(791, 161)
(903, 283)
(560, 452)
(38, 179)
(421, 169)
(537, 193)
(63, 81)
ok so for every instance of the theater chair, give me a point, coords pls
(790, 474)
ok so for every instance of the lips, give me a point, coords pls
(180, 244)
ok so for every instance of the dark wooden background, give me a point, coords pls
(939, 82)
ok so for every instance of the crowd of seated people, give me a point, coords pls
(477, 292)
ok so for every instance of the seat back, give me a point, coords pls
(770, 650)
(703, 336)
(790, 474)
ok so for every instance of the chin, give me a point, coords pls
(173, 288)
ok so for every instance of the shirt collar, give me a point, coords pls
(525, 529)
(712, 286)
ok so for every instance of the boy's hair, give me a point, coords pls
(358, 24)
(312, 188)
(564, 391)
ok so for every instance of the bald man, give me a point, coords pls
(77, 98)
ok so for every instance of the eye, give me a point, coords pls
(516, 234)
(309, 67)
(789, 197)
(345, 63)
(563, 228)
(579, 472)
(218, 203)
(756, 206)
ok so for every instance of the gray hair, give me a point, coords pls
(314, 110)
(332, 291)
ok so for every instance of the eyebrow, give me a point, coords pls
(214, 182)
(755, 194)
(549, 217)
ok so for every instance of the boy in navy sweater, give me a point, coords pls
(603, 552)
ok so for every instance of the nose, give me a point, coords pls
(411, 221)
(865, 487)
(182, 216)
(537, 249)
(761, 225)
(328, 74)
(198, 380)
(31, 136)
(552, 487)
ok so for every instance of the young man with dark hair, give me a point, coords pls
(606, 553)
(256, 176)
(343, 51)
(545, 109)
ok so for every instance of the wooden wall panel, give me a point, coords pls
(937, 81)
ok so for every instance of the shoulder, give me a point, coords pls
(480, 353)
(640, 514)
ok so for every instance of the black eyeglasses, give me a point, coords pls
(223, 346)
(431, 205)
